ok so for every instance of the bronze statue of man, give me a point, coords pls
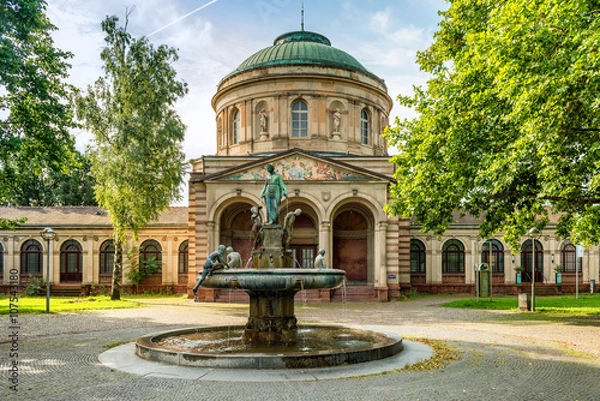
(320, 260)
(215, 261)
(273, 191)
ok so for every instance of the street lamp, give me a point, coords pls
(491, 270)
(534, 234)
(48, 234)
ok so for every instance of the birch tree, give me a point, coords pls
(138, 161)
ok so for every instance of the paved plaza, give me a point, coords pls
(504, 357)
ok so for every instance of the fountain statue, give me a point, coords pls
(271, 283)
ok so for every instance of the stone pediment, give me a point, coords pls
(302, 167)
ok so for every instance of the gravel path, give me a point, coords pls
(504, 356)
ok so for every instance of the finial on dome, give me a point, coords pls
(302, 18)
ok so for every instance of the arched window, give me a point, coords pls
(150, 250)
(183, 257)
(31, 258)
(417, 256)
(235, 126)
(568, 257)
(453, 257)
(364, 127)
(527, 261)
(107, 258)
(71, 261)
(299, 119)
(497, 255)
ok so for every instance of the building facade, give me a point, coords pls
(316, 114)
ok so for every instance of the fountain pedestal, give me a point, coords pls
(272, 255)
(271, 319)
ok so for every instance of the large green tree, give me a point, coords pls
(35, 111)
(56, 188)
(138, 162)
(508, 126)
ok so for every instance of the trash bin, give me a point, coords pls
(592, 286)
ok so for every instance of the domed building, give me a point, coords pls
(316, 114)
(301, 93)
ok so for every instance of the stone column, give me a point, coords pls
(379, 262)
(167, 269)
(10, 258)
(55, 256)
(225, 129)
(508, 267)
(436, 261)
(213, 240)
(88, 275)
(325, 241)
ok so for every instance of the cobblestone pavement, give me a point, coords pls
(504, 356)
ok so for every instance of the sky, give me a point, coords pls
(213, 37)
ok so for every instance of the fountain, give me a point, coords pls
(271, 337)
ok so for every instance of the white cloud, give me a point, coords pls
(380, 20)
(211, 43)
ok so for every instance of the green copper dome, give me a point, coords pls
(302, 48)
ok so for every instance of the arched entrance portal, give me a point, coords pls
(352, 232)
(236, 229)
(305, 238)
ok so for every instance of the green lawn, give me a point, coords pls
(586, 305)
(26, 304)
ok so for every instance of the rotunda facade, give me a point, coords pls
(301, 92)
(316, 114)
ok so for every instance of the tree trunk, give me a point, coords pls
(118, 270)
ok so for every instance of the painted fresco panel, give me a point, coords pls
(300, 168)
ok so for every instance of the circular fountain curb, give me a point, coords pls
(385, 347)
(123, 358)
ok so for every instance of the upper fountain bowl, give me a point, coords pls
(275, 279)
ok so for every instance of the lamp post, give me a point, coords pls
(48, 234)
(532, 235)
(491, 270)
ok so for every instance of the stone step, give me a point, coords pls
(65, 290)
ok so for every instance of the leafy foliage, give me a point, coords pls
(7, 224)
(35, 102)
(138, 162)
(138, 271)
(56, 188)
(508, 127)
(35, 286)
(443, 354)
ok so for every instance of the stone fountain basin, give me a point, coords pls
(340, 346)
(275, 279)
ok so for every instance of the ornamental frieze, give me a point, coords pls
(300, 168)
